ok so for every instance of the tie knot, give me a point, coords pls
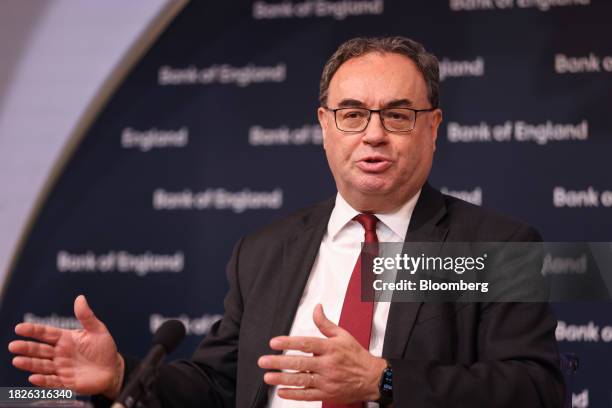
(367, 221)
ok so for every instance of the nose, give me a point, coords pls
(375, 133)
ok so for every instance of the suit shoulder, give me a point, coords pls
(476, 223)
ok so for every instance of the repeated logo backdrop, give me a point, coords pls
(214, 134)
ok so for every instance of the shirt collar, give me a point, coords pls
(397, 221)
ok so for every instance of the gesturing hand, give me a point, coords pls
(86, 361)
(340, 370)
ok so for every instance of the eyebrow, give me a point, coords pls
(395, 103)
(351, 103)
(398, 103)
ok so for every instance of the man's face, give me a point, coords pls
(376, 170)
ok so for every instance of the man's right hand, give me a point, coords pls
(85, 361)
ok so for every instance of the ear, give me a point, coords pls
(324, 122)
(435, 124)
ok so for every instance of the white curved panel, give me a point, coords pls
(54, 56)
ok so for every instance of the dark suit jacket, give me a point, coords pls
(443, 355)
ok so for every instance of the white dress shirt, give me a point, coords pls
(331, 273)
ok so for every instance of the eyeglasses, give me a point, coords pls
(393, 119)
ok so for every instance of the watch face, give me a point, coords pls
(386, 388)
(387, 380)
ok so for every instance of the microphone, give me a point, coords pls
(166, 338)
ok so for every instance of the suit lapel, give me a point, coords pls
(429, 210)
(299, 253)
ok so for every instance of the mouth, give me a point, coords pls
(374, 164)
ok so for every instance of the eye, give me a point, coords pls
(399, 115)
(353, 114)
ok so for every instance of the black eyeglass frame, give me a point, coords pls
(416, 114)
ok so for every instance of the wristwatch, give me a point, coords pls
(385, 387)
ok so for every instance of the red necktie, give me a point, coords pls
(356, 316)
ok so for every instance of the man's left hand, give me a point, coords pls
(340, 370)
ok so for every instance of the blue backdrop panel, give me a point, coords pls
(214, 134)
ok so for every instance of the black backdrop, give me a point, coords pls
(214, 134)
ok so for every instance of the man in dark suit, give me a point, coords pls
(294, 333)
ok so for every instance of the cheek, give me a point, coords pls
(414, 155)
(341, 150)
(334, 157)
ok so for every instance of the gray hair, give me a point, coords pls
(425, 62)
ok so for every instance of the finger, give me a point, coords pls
(49, 381)
(325, 326)
(307, 380)
(314, 345)
(34, 365)
(297, 363)
(39, 332)
(302, 394)
(86, 316)
(31, 349)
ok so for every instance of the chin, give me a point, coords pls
(374, 191)
(373, 184)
